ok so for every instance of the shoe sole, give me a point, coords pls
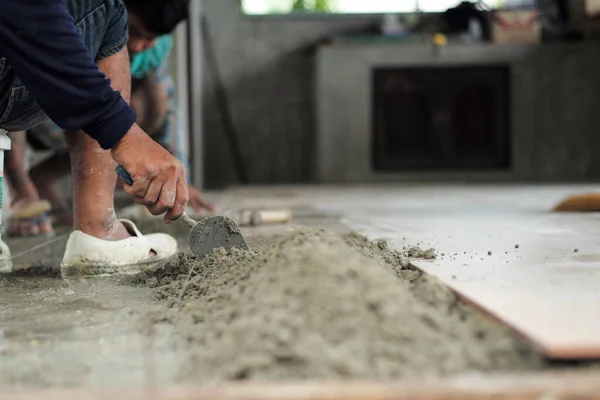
(6, 269)
(102, 270)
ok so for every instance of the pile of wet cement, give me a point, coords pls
(314, 304)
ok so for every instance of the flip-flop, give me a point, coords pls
(32, 210)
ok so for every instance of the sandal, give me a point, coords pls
(87, 256)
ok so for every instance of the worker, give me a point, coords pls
(152, 98)
(68, 60)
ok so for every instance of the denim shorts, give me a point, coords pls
(103, 28)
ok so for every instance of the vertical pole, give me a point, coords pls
(195, 51)
(183, 93)
(4, 146)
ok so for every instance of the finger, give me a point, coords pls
(153, 193)
(181, 200)
(141, 182)
(137, 190)
(166, 198)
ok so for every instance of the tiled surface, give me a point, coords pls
(547, 289)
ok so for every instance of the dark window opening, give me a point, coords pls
(453, 118)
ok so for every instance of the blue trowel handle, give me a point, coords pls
(124, 175)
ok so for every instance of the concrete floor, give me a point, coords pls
(55, 333)
(89, 335)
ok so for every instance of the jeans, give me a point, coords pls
(101, 24)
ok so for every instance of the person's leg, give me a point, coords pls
(22, 188)
(100, 243)
(45, 177)
(150, 101)
(93, 169)
(23, 192)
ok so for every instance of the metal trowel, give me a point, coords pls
(209, 233)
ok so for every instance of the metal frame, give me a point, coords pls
(189, 90)
(182, 93)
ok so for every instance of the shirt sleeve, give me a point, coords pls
(39, 40)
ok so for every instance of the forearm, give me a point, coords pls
(116, 67)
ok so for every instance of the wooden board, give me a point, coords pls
(545, 289)
(511, 387)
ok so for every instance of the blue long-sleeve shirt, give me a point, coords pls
(39, 40)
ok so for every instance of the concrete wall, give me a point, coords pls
(268, 68)
(554, 111)
(268, 71)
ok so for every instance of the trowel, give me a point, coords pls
(209, 233)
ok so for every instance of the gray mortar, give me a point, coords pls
(314, 304)
(216, 232)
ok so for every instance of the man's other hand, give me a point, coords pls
(199, 203)
(158, 177)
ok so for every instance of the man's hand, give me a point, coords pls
(158, 177)
(198, 203)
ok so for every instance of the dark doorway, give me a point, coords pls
(452, 118)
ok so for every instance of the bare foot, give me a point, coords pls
(41, 225)
(30, 227)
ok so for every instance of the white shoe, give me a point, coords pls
(88, 256)
(6, 265)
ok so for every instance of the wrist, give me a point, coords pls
(132, 135)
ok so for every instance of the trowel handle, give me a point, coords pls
(188, 220)
(124, 175)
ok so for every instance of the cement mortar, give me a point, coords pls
(314, 304)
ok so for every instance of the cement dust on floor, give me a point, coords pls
(116, 324)
(93, 333)
(87, 333)
(58, 334)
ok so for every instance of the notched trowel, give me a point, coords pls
(209, 233)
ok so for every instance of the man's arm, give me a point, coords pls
(40, 42)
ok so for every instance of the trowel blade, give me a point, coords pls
(214, 232)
